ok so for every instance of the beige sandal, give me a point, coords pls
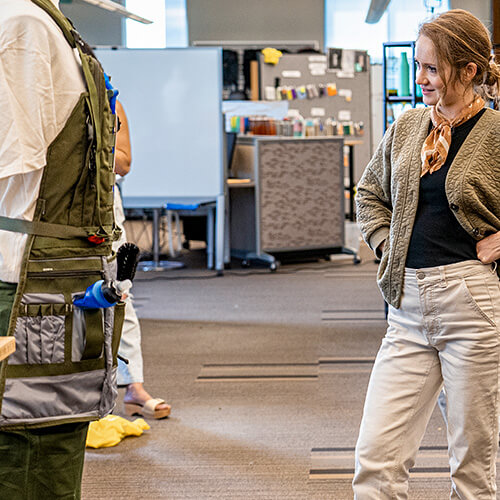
(148, 409)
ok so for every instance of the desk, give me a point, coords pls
(206, 205)
(7, 346)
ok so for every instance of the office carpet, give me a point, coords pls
(266, 374)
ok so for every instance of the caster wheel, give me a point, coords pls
(273, 266)
(357, 261)
(245, 263)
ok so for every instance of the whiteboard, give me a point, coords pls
(173, 101)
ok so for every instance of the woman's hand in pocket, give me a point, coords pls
(488, 249)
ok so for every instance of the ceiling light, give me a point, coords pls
(376, 10)
(120, 9)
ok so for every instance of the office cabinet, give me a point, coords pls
(288, 197)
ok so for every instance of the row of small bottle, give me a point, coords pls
(314, 127)
(310, 91)
(294, 126)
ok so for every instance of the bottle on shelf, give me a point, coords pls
(404, 76)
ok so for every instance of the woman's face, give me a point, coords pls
(427, 74)
(431, 83)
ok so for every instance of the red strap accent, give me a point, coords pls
(97, 240)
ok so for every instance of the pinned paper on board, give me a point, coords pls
(318, 59)
(318, 111)
(348, 61)
(334, 59)
(270, 93)
(347, 93)
(360, 61)
(289, 73)
(344, 115)
(345, 74)
(318, 66)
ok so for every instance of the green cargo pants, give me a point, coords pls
(39, 464)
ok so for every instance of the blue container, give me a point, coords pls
(94, 297)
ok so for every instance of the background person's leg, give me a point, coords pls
(131, 374)
(130, 348)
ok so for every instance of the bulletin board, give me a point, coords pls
(173, 101)
(353, 90)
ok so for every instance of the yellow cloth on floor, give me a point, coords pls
(110, 430)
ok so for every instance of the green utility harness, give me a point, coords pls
(64, 367)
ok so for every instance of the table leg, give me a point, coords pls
(156, 264)
(351, 182)
(156, 236)
(210, 238)
(219, 234)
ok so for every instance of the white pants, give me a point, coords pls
(130, 343)
(444, 332)
(130, 348)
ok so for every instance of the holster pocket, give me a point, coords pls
(87, 334)
(40, 330)
(117, 329)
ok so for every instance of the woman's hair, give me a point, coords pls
(460, 38)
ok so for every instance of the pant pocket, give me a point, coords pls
(40, 330)
(477, 295)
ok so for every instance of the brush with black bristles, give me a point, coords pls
(126, 258)
(127, 261)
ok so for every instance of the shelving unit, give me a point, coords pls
(389, 71)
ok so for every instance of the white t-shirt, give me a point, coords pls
(40, 83)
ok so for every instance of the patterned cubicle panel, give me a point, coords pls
(300, 191)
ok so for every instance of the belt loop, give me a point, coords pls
(442, 275)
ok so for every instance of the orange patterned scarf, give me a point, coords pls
(437, 143)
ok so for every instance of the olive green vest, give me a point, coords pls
(64, 366)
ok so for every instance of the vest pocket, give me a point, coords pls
(119, 315)
(40, 330)
(87, 334)
(49, 328)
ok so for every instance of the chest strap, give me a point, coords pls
(47, 229)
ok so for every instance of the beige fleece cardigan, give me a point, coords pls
(387, 193)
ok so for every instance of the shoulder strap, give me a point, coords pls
(75, 41)
(63, 23)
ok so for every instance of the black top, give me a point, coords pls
(438, 238)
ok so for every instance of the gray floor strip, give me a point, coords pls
(338, 463)
(258, 372)
(350, 275)
(353, 315)
(346, 365)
